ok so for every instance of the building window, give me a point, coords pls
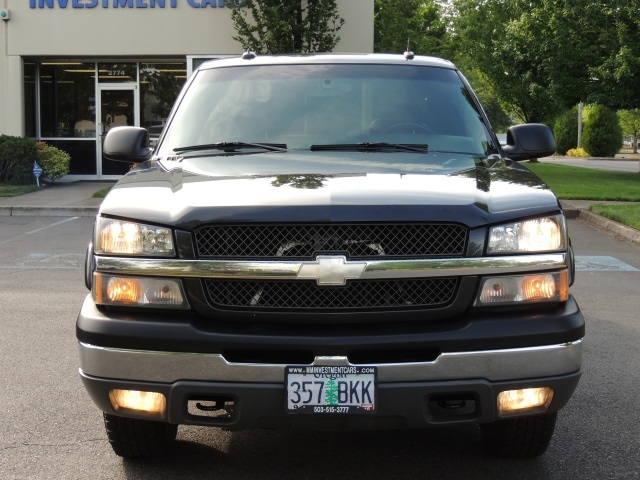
(160, 84)
(60, 104)
(117, 72)
(67, 100)
(82, 153)
(30, 99)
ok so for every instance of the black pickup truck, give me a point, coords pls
(330, 242)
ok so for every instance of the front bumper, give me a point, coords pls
(423, 367)
(171, 367)
(409, 395)
(291, 343)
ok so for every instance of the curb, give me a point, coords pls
(49, 211)
(610, 226)
(572, 213)
(614, 159)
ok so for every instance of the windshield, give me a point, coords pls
(335, 106)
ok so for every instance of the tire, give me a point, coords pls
(132, 438)
(525, 437)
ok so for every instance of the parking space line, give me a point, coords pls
(52, 225)
(602, 264)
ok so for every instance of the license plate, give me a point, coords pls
(331, 390)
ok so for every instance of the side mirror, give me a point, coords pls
(127, 144)
(530, 140)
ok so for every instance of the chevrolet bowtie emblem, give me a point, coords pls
(331, 270)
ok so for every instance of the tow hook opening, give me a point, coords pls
(219, 407)
(461, 406)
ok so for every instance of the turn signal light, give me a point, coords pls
(145, 292)
(124, 290)
(542, 287)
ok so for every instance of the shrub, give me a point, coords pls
(566, 131)
(602, 135)
(17, 155)
(577, 152)
(54, 162)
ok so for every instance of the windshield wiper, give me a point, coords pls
(372, 147)
(233, 147)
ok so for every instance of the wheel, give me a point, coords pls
(525, 437)
(406, 128)
(132, 438)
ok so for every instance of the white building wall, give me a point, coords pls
(13, 108)
(3, 76)
(72, 29)
(10, 84)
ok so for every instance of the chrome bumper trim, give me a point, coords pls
(491, 365)
(331, 267)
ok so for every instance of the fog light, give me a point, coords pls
(515, 401)
(147, 403)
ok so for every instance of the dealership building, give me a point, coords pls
(72, 69)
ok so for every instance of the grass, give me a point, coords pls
(16, 190)
(101, 193)
(576, 183)
(625, 214)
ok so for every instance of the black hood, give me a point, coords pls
(186, 192)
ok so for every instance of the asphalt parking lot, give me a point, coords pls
(52, 430)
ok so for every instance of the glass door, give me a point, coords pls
(117, 107)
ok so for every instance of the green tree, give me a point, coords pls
(540, 57)
(500, 120)
(164, 86)
(602, 136)
(331, 392)
(566, 48)
(300, 181)
(630, 123)
(562, 51)
(286, 26)
(566, 131)
(615, 77)
(589, 50)
(501, 39)
(416, 24)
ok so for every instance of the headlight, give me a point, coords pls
(138, 292)
(128, 238)
(537, 235)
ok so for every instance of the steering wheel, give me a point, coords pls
(405, 127)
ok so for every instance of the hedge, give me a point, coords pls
(602, 135)
(18, 154)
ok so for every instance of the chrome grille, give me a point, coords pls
(304, 241)
(304, 295)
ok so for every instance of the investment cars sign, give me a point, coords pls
(124, 3)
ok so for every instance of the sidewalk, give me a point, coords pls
(622, 163)
(74, 199)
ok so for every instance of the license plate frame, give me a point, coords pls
(331, 390)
